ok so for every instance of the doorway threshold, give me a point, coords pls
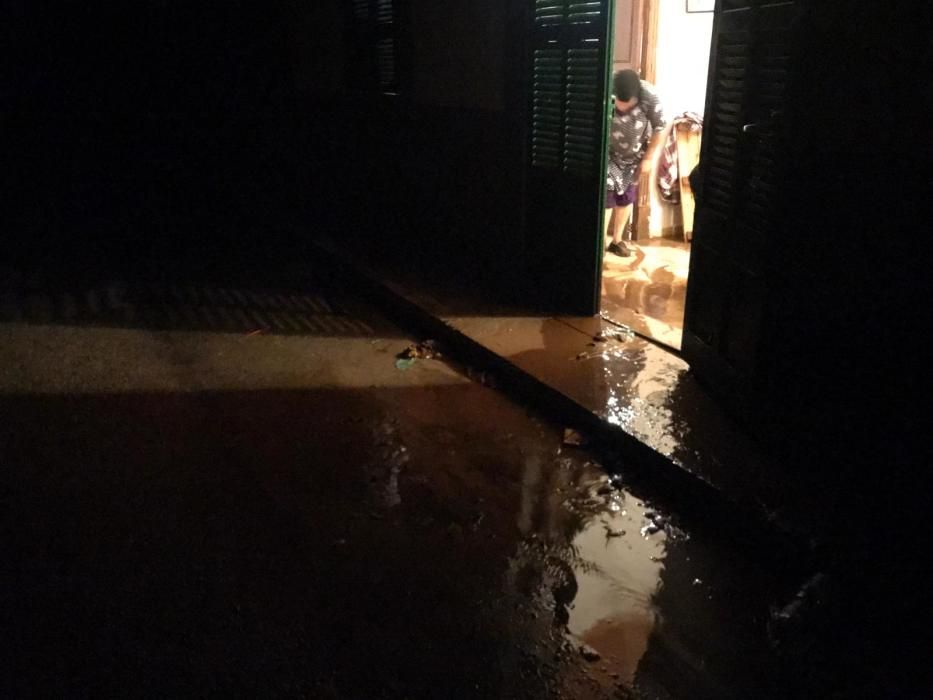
(630, 395)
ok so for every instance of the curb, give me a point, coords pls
(700, 501)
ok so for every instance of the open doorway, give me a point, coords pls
(667, 42)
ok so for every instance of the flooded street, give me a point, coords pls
(266, 510)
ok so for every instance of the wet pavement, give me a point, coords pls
(217, 511)
(631, 391)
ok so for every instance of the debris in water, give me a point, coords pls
(616, 481)
(623, 335)
(604, 490)
(426, 350)
(258, 331)
(477, 521)
(612, 532)
(404, 363)
(786, 626)
(573, 438)
(589, 653)
(483, 377)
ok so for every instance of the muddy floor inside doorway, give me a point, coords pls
(646, 291)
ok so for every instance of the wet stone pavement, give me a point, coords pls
(202, 511)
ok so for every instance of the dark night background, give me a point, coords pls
(148, 136)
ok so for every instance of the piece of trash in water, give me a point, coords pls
(404, 363)
(648, 530)
(787, 625)
(589, 653)
(616, 481)
(657, 519)
(613, 532)
(623, 335)
(426, 350)
(573, 438)
(482, 376)
(477, 521)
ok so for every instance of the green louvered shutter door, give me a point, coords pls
(372, 50)
(745, 179)
(566, 162)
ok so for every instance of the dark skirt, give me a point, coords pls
(614, 199)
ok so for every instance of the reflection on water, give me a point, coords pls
(627, 589)
(638, 401)
(618, 571)
(593, 552)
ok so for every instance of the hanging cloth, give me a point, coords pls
(668, 165)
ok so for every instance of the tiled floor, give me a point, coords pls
(646, 291)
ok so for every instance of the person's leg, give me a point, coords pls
(620, 217)
(609, 221)
(617, 221)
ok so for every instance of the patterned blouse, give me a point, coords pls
(629, 136)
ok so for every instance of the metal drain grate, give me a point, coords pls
(186, 307)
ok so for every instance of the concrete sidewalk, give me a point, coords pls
(633, 397)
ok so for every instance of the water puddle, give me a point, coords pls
(618, 561)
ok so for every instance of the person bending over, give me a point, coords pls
(637, 118)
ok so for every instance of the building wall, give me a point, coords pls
(683, 57)
(433, 174)
(315, 38)
(682, 64)
(153, 137)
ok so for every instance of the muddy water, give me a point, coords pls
(204, 514)
(647, 291)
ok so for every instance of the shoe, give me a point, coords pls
(619, 249)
